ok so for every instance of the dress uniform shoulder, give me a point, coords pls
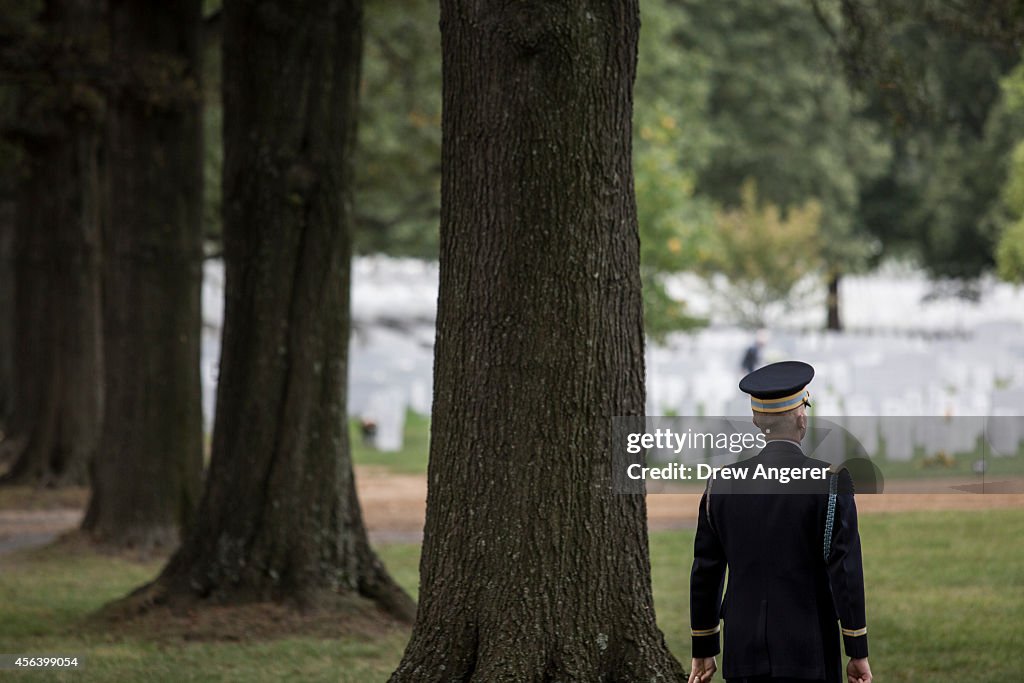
(844, 480)
(814, 462)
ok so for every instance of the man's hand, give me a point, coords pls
(857, 671)
(702, 670)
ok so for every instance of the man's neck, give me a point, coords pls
(785, 439)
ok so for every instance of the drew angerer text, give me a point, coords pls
(702, 471)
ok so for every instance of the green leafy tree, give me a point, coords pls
(1010, 253)
(763, 254)
(932, 70)
(785, 118)
(1010, 247)
(398, 157)
(671, 142)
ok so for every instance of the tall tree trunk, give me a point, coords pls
(279, 518)
(6, 308)
(57, 380)
(148, 472)
(833, 321)
(532, 568)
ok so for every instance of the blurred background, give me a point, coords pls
(848, 181)
(847, 178)
(838, 181)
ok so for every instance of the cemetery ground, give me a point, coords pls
(945, 574)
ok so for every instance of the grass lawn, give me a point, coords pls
(945, 603)
(411, 459)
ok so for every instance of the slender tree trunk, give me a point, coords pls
(532, 568)
(147, 475)
(279, 518)
(833, 322)
(6, 312)
(57, 380)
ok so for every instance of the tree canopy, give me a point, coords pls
(932, 70)
(888, 115)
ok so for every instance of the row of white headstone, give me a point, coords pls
(980, 372)
(866, 381)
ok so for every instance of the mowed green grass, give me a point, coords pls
(410, 459)
(945, 603)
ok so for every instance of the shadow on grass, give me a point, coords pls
(55, 599)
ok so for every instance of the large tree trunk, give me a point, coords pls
(279, 518)
(148, 471)
(532, 568)
(57, 380)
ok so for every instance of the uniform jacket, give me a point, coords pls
(792, 572)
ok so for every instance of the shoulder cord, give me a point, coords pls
(707, 504)
(830, 515)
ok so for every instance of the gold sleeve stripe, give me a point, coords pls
(855, 631)
(705, 631)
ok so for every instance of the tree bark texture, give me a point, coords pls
(148, 470)
(57, 381)
(532, 568)
(279, 518)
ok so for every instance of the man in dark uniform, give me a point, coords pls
(792, 550)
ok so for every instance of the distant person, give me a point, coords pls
(368, 428)
(792, 551)
(752, 356)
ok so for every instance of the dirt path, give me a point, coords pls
(394, 506)
(29, 528)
